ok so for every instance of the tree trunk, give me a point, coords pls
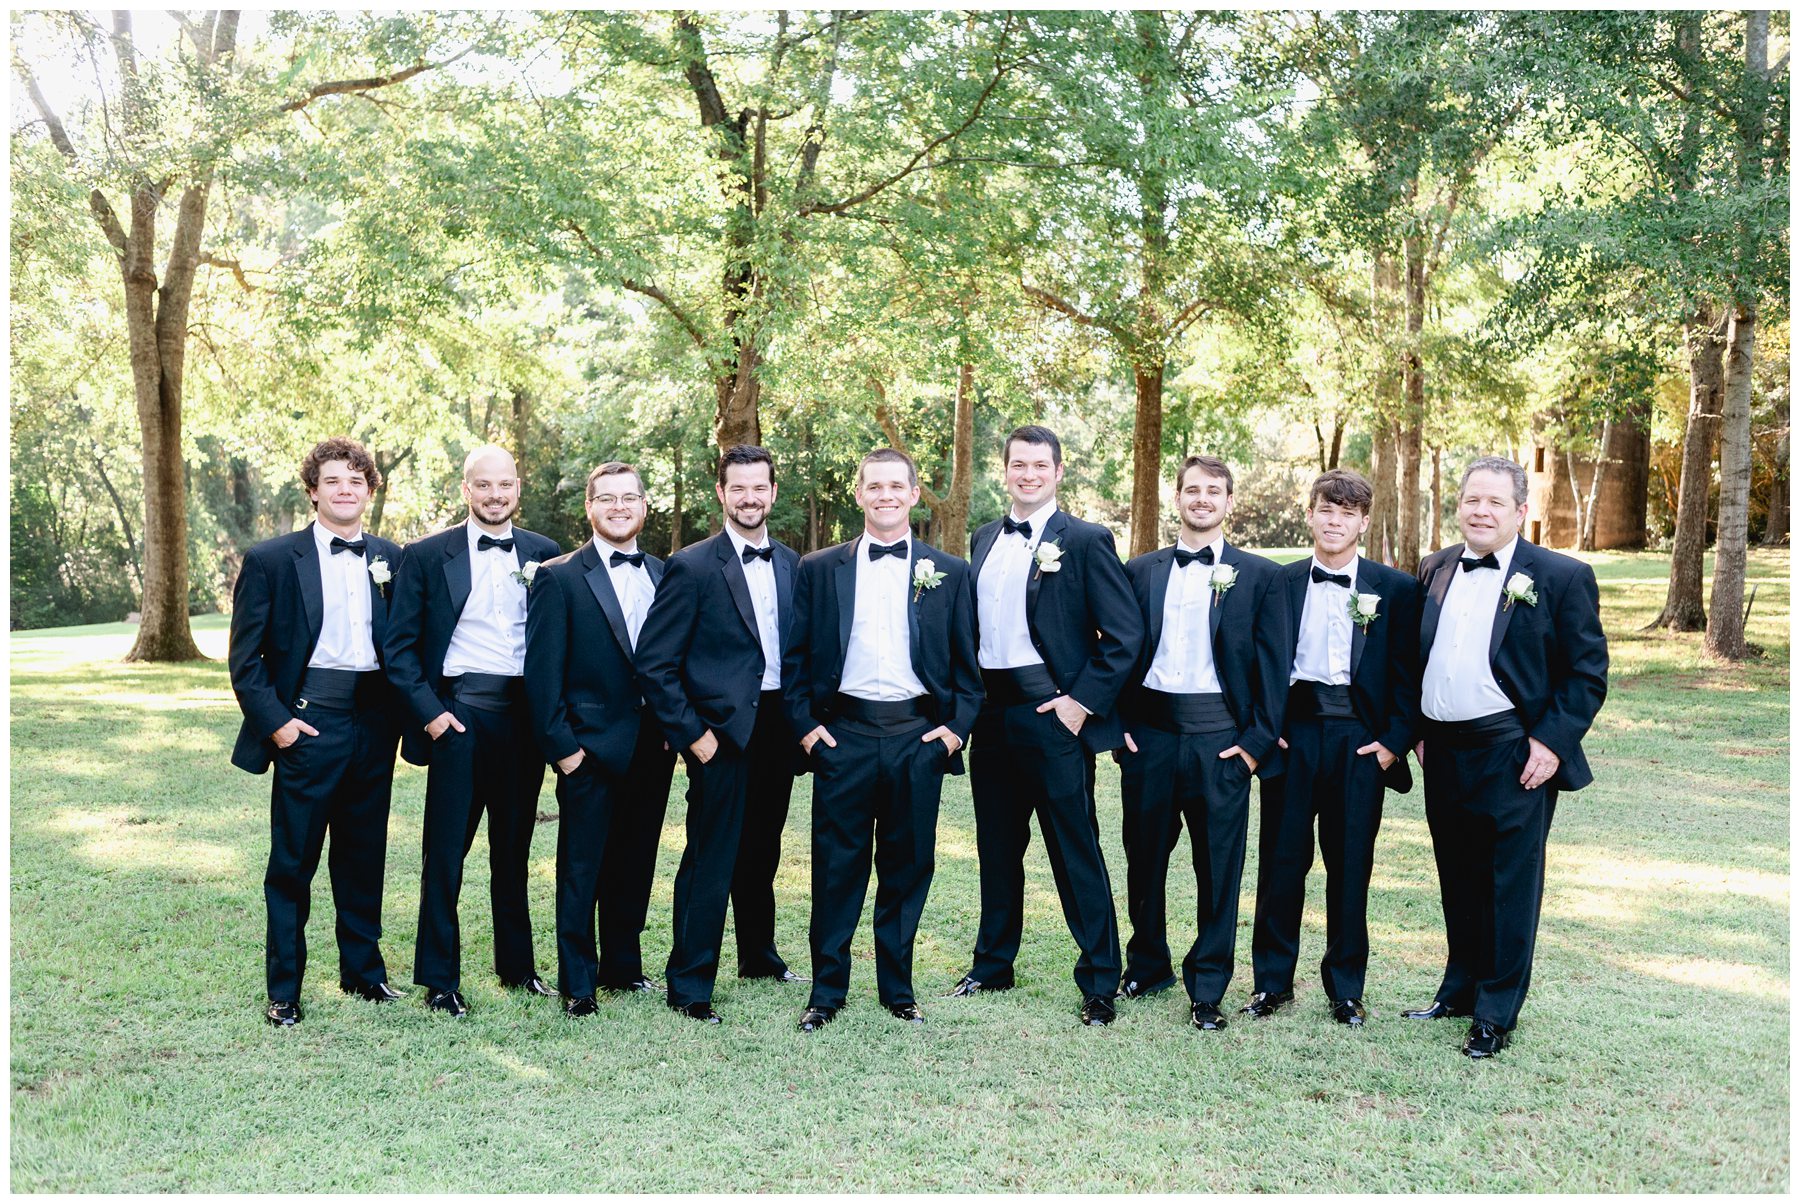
(1775, 525)
(1382, 526)
(1146, 460)
(675, 521)
(1685, 607)
(1411, 442)
(1590, 513)
(952, 517)
(119, 508)
(1725, 625)
(737, 421)
(1437, 499)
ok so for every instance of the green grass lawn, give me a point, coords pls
(1652, 1056)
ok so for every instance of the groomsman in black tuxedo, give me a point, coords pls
(307, 615)
(880, 675)
(1353, 702)
(1058, 635)
(709, 665)
(1514, 673)
(1203, 714)
(613, 766)
(456, 653)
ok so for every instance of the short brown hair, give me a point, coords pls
(1212, 466)
(613, 468)
(1342, 487)
(339, 447)
(745, 453)
(888, 455)
(1039, 436)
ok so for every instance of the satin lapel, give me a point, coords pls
(312, 587)
(912, 606)
(599, 582)
(843, 581)
(1160, 568)
(1215, 612)
(784, 590)
(1358, 631)
(654, 567)
(1435, 589)
(1296, 587)
(1034, 578)
(1523, 556)
(377, 604)
(733, 567)
(457, 572)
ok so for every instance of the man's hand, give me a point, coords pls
(1419, 752)
(809, 739)
(1130, 744)
(1382, 755)
(572, 762)
(1067, 710)
(285, 735)
(442, 724)
(1237, 751)
(706, 747)
(1540, 767)
(951, 740)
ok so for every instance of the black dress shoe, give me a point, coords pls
(702, 1012)
(908, 1012)
(1097, 1011)
(641, 985)
(533, 985)
(581, 1006)
(1266, 1003)
(283, 1013)
(374, 992)
(1206, 1017)
(1132, 988)
(450, 1002)
(1348, 1011)
(1437, 1011)
(1485, 1040)
(974, 986)
(814, 1019)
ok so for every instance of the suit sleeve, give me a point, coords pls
(1274, 658)
(1114, 612)
(965, 669)
(1581, 648)
(401, 649)
(796, 654)
(1403, 670)
(251, 607)
(662, 643)
(546, 662)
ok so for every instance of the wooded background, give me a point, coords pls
(1385, 240)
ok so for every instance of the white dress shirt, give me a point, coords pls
(760, 575)
(346, 640)
(490, 634)
(1323, 651)
(1459, 680)
(878, 661)
(631, 585)
(1183, 663)
(1000, 595)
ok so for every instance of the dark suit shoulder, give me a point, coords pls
(831, 555)
(1080, 530)
(1383, 577)
(534, 540)
(698, 553)
(557, 562)
(270, 549)
(941, 560)
(437, 541)
(1432, 562)
(1142, 564)
(1555, 565)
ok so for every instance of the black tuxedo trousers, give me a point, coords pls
(1022, 762)
(737, 804)
(606, 842)
(340, 781)
(1328, 782)
(493, 766)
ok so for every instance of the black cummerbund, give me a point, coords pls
(903, 713)
(1027, 683)
(1316, 700)
(1189, 713)
(487, 691)
(1501, 727)
(341, 689)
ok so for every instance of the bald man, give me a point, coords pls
(455, 650)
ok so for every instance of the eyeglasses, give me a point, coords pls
(609, 500)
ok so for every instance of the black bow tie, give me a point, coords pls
(1490, 561)
(878, 550)
(339, 544)
(488, 541)
(1183, 557)
(766, 552)
(1319, 574)
(634, 559)
(1008, 526)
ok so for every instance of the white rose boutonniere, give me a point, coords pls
(526, 573)
(1519, 588)
(925, 576)
(380, 574)
(1223, 578)
(1049, 557)
(1362, 609)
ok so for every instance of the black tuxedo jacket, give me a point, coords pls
(699, 655)
(1550, 659)
(940, 627)
(1384, 658)
(277, 611)
(579, 677)
(1081, 618)
(1252, 641)
(431, 587)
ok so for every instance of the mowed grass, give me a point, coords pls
(1652, 1055)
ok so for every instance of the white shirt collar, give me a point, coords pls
(475, 534)
(739, 543)
(606, 550)
(1504, 554)
(865, 539)
(322, 536)
(1349, 570)
(1217, 545)
(1047, 510)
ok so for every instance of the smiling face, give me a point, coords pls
(1032, 475)
(1203, 502)
(341, 495)
(887, 494)
(747, 495)
(1488, 512)
(1335, 529)
(491, 488)
(616, 507)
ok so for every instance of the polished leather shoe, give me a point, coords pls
(1485, 1040)
(1132, 988)
(580, 1006)
(814, 1019)
(1349, 1012)
(283, 1013)
(908, 1012)
(1097, 1011)
(1266, 1003)
(533, 985)
(1437, 1011)
(974, 986)
(641, 985)
(450, 1002)
(374, 992)
(1206, 1017)
(702, 1012)
(784, 976)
